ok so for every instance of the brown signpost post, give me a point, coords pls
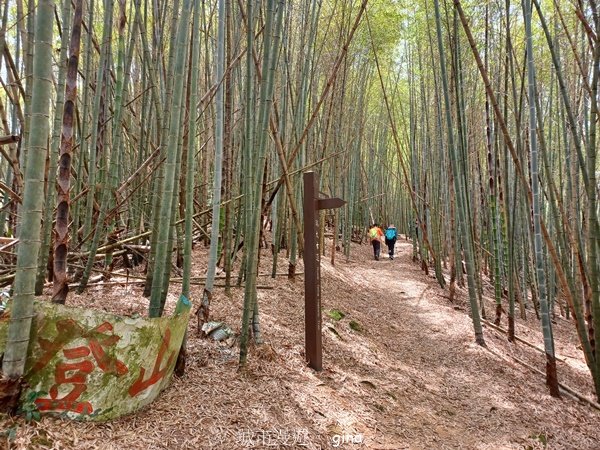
(312, 268)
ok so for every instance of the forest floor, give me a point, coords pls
(401, 370)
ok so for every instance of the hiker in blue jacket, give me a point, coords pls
(390, 239)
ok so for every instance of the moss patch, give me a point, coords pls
(336, 314)
(354, 325)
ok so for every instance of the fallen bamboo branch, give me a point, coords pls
(7, 243)
(107, 272)
(137, 248)
(123, 241)
(517, 338)
(11, 139)
(98, 283)
(6, 279)
(145, 164)
(98, 255)
(16, 197)
(222, 277)
(564, 387)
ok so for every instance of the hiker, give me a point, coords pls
(390, 239)
(375, 234)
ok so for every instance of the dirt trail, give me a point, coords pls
(401, 370)
(435, 388)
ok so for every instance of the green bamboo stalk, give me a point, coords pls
(271, 43)
(110, 178)
(551, 377)
(96, 114)
(218, 165)
(166, 89)
(464, 222)
(13, 363)
(175, 232)
(28, 45)
(162, 262)
(226, 185)
(594, 226)
(123, 73)
(492, 194)
(190, 180)
(572, 294)
(83, 144)
(54, 149)
(191, 157)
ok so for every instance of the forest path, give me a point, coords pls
(422, 381)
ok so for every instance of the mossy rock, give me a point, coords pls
(90, 365)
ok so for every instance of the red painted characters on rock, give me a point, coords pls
(77, 364)
(158, 372)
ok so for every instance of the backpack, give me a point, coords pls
(390, 234)
(373, 233)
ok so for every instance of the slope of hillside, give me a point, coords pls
(401, 370)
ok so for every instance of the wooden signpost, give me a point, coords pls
(312, 268)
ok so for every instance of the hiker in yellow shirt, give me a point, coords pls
(375, 234)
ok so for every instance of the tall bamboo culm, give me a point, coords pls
(13, 362)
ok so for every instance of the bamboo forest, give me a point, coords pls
(230, 224)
